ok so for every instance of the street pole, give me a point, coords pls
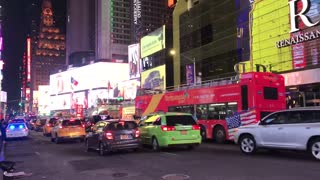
(194, 71)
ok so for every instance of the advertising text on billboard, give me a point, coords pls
(153, 42)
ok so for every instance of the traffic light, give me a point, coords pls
(20, 104)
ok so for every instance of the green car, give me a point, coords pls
(169, 129)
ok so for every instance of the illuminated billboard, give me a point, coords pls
(153, 42)
(44, 100)
(97, 75)
(134, 61)
(60, 102)
(282, 44)
(154, 78)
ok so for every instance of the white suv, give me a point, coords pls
(296, 129)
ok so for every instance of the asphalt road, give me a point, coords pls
(210, 161)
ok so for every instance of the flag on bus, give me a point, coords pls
(240, 119)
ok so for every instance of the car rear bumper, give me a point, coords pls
(118, 145)
(72, 137)
(166, 142)
(17, 134)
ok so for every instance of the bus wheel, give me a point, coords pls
(203, 133)
(219, 134)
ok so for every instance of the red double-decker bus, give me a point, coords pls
(247, 97)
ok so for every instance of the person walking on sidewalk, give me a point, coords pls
(3, 131)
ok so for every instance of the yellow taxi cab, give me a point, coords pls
(48, 126)
(68, 129)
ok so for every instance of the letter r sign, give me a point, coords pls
(294, 14)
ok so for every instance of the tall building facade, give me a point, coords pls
(217, 35)
(80, 32)
(48, 55)
(113, 26)
(149, 15)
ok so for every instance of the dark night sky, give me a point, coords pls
(15, 30)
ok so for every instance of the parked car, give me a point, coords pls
(293, 129)
(48, 126)
(67, 129)
(170, 129)
(110, 135)
(17, 130)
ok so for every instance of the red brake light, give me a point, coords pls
(109, 135)
(48, 125)
(60, 127)
(168, 128)
(195, 127)
(137, 133)
(83, 125)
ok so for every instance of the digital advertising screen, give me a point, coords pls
(154, 79)
(97, 75)
(60, 102)
(134, 61)
(153, 42)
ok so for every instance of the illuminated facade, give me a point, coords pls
(281, 35)
(49, 54)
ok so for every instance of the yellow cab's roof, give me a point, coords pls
(152, 118)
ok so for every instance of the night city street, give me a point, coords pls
(47, 160)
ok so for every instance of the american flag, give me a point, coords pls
(240, 119)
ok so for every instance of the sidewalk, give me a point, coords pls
(2, 149)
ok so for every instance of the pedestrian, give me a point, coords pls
(3, 131)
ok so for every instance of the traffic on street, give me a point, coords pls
(210, 161)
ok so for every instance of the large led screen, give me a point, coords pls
(60, 102)
(153, 42)
(44, 100)
(134, 61)
(154, 78)
(97, 75)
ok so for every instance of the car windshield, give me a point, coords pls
(176, 120)
(15, 126)
(71, 123)
(122, 125)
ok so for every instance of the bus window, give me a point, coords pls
(270, 93)
(184, 109)
(217, 111)
(232, 108)
(202, 111)
(244, 97)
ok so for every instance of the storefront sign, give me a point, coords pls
(299, 39)
(302, 77)
(302, 14)
(300, 18)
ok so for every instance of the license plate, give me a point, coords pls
(124, 136)
(184, 132)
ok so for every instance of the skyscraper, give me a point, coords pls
(80, 32)
(113, 29)
(49, 52)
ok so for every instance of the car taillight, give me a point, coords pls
(168, 128)
(49, 125)
(83, 125)
(137, 133)
(195, 127)
(109, 135)
(60, 127)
